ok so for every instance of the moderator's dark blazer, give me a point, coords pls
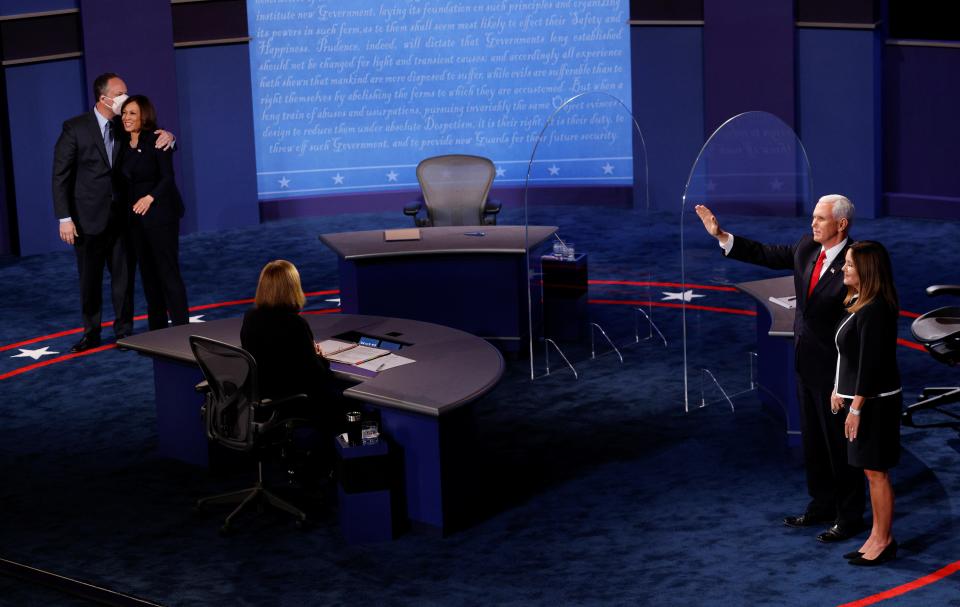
(816, 319)
(287, 363)
(867, 340)
(147, 170)
(82, 175)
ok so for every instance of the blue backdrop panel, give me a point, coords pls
(748, 50)
(838, 103)
(219, 167)
(349, 97)
(921, 131)
(668, 105)
(137, 45)
(40, 97)
(19, 7)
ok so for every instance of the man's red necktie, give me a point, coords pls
(816, 272)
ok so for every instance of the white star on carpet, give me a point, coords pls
(554, 170)
(197, 318)
(392, 175)
(607, 169)
(284, 182)
(34, 354)
(501, 171)
(681, 295)
(338, 179)
(335, 300)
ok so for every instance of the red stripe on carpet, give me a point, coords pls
(58, 359)
(936, 576)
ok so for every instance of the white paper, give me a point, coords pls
(357, 355)
(332, 346)
(786, 302)
(386, 362)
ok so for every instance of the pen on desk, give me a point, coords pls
(380, 366)
(474, 233)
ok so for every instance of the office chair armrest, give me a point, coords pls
(269, 403)
(412, 208)
(491, 207)
(203, 387)
(934, 290)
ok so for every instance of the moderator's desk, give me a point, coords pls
(474, 283)
(425, 406)
(776, 374)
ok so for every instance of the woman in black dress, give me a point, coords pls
(145, 180)
(282, 343)
(868, 381)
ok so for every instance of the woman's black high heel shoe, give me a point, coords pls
(853, 555)
(889, 553)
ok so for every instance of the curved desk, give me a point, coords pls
(424, 406)
(473, 278)
(776, 372)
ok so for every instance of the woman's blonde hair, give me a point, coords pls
(279, 287)
(876, 276)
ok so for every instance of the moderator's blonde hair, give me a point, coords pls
(279, 287)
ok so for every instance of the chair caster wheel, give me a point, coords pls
(225, 531)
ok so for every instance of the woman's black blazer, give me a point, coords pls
(147, 170)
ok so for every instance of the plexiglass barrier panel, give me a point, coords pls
(588, 300)
(753, 165)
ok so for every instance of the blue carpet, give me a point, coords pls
(599, 491)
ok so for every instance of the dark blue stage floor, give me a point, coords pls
(597, 491)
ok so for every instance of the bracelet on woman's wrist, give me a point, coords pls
(854, 412)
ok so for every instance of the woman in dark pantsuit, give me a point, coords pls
(146, 183)
(868, 381)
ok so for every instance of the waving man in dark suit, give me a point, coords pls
(836, 488)
(91, 216)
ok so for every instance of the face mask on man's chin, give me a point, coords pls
(116, 104)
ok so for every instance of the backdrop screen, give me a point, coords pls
(350, 96)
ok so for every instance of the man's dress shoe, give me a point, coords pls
(839, 532)
(806, 520)
(889, 553)
(85, 344)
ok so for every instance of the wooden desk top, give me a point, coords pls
(453, 368)
(440, 240)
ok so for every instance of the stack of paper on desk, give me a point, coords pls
(386, 362)
(332, 346)
(356, 355)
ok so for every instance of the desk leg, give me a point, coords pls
(179, 427)
(435, 452)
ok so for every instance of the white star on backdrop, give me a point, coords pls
(392, 175)
(501, 171)
(197, 318)
(607, 169)
(554, 170)
(681, 295)
(34, 354)
(711, 185)
(284, 182)
(776, 185)
(338, 179)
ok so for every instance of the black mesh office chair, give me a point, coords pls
(236, 417)
(454, 189)
(939, 332)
